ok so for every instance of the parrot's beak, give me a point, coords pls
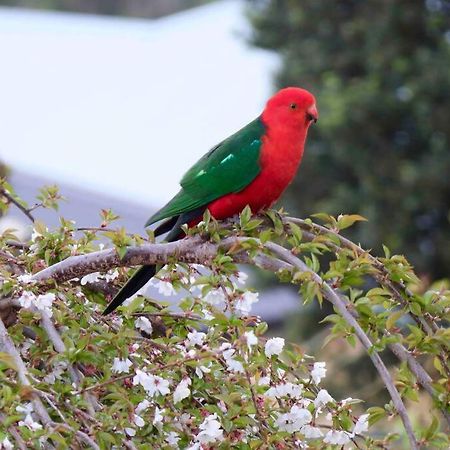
(313, 114)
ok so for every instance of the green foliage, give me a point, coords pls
(205, 373)
(379, 71)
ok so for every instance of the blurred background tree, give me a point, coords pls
(380, 71)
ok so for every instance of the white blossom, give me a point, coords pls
(215, 297)
(222, 406)
(337, 437)
(285, 390)
(318, 372)
(274, 346)
(26, 278)
(361, 425)
(152, 384)
(323, 397)
(44, 302)
(227, 350)
(27, 299)
(251, 339)
(172, 439)
(294, 420)
(233, 365)
(348, 400)
(144, 324)
(90, 278)
(244, 303)
(121, 365)
(130, 432)
(164, 287)
(211, 430)
(117, 321)
(26, 409)
(142, 406)
(195, 338)
(138, 420)
(30, 423)
(111, 276)
(135, 347)
(182, 391)
(311, 432)
(264, 381)
(200, 370)
(6, 444)
(158, 418)
(241, 278)
(207, 315)
(191, 353)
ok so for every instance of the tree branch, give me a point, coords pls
(383, 280)
(7, 345)
(11, 199)
(337, 302)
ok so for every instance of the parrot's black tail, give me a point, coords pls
(145, 273)
(136, 282)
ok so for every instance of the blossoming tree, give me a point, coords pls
(204, 375)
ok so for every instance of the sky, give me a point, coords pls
(125, 106)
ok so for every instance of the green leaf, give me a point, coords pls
(8, 360)
(392, 319)
(375, 414)
(245, 216)
(345, 221)
(432, 430)
(415, 308)
(297, 233)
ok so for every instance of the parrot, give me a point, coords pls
(252, 167)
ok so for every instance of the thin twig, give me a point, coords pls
(7, 195)
(83, 437)
(60, 347)
(17, 244)
(182, 316)
(129, 445)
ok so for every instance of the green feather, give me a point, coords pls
(228, 167)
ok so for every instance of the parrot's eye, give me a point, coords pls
(293, 105)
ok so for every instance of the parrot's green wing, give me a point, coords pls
(228, 167)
